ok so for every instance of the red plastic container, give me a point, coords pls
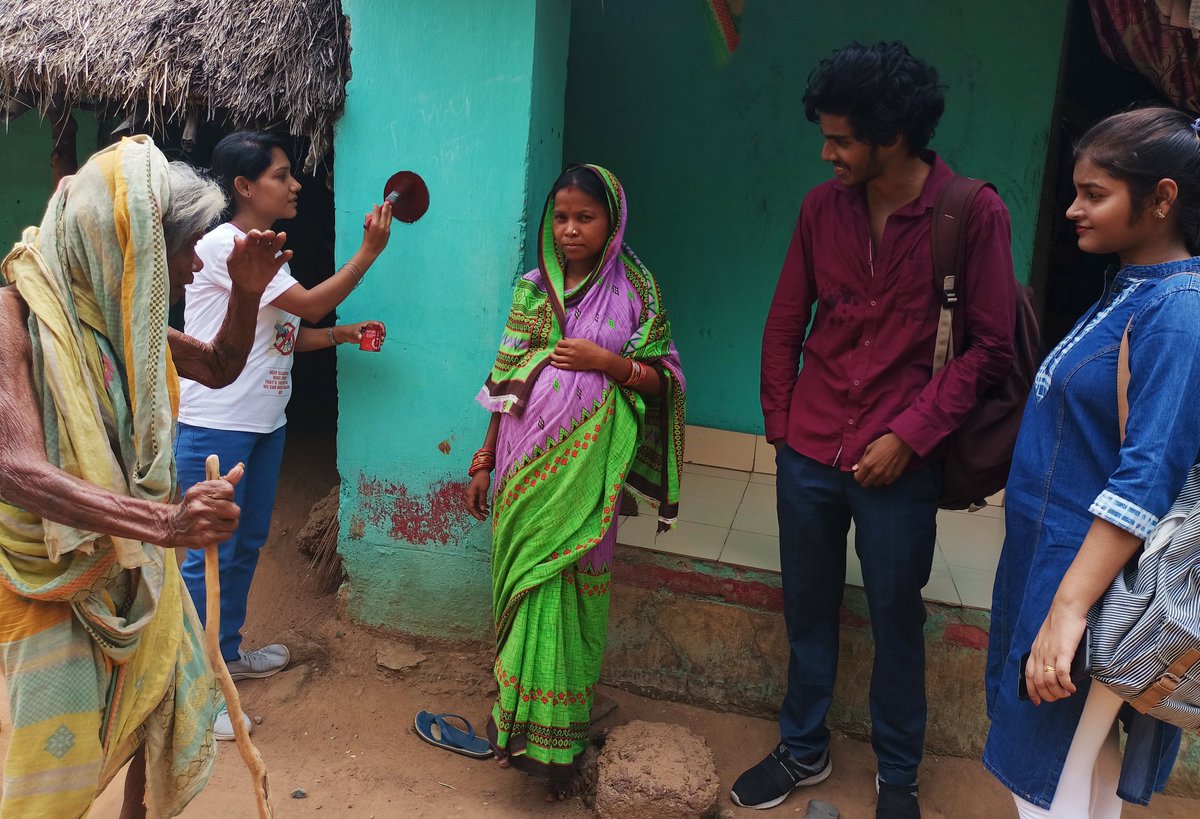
(372, 339)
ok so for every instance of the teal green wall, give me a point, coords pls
(26, 180)
(469, 96)
(545, 154)
(716, 154)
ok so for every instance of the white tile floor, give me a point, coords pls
(728, 516)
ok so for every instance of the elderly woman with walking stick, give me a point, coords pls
(100, 645)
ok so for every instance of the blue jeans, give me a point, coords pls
(895, 527)
(262, 454)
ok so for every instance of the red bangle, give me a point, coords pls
(637, 373)
(484, 459)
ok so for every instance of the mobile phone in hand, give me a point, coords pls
(1081, 665)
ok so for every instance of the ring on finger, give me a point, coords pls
(1049, 669)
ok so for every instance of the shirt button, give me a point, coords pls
(850, 422)
(874, 303)
(867, 343)
(856, 382)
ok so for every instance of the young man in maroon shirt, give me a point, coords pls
(857, 430)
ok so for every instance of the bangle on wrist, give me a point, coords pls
(357, 272)
(637, 374)
(332, 341)
(483, 460)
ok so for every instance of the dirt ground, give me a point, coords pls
(345, 734)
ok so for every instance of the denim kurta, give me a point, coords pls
(1070, 468)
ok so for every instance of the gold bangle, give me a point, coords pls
(357, 272)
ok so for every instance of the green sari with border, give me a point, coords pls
(569, 443)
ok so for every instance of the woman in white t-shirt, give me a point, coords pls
(245, 420)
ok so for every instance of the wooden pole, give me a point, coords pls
(212, 642)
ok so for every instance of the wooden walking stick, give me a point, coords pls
(212, 642)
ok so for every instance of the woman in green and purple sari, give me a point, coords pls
(587, 397)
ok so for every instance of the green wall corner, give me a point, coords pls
(469, 95)
(716, 154)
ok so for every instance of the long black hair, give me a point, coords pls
(1144, 146)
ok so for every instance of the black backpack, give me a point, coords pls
(979, 453)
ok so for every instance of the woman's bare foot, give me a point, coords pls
(561, 790)
(501, 760)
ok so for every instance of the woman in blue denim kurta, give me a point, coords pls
(1070, 469)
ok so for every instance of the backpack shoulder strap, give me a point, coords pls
(947, 240)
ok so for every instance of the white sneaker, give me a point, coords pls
(259, 663)
(223, 726)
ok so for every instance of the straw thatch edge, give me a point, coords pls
(246, 64)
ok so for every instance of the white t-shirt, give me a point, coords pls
(255, 402)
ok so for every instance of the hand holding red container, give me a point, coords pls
(369, 335)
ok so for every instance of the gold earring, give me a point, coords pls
(1160, 214)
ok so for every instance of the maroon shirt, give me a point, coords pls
(868, 358)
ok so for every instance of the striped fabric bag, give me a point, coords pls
(1145, 630)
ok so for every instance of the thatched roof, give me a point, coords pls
(248, 63)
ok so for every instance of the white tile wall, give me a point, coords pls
(727, 514)
(719, 447)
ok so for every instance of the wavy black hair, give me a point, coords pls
(1144, 146)
(885, 91)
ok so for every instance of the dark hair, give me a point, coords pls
(885, 92)
(245, 153)
(1143, 147)
(588, 181)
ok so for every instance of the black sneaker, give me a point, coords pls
(897, 801)
(771, 781)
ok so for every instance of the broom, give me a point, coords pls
(212, 642)
(319, 540)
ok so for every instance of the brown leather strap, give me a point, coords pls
(1123, 381)
(1167, 682)
(947, 242)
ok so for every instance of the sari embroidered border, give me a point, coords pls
(551, 614)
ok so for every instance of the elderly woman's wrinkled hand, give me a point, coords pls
(256, 258)
(208, 514)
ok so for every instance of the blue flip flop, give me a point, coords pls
(434, 729)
